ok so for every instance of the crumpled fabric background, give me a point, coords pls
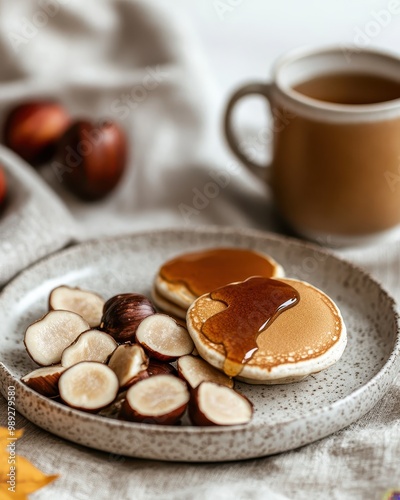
(129, 62)
(140, 64)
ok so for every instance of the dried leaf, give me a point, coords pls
(27, 478)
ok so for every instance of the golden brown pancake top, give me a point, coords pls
(302, 332)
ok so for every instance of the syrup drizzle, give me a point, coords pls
(252, 306)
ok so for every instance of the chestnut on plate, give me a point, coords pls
(46, 339)
(214, 404)
(88, 386)
(44, 380)
(163, 338)
(92, 345)
(113, 409)
(160, 368)
(92, 158)
(195, 370)
(87, 304)
(129, 362)
(33, 129)
(123, 313)
(161, 399)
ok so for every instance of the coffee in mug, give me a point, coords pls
(335, 170)
(350, 88)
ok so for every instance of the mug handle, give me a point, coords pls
(260, 171)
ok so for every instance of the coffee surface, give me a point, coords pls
(350, 88)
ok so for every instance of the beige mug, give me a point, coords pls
(335, 169)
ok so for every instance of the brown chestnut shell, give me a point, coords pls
(92, 158)
(33, 129)
(123, 313)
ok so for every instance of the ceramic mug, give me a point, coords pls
(335, 169)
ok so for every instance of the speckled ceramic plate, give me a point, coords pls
(285, 417)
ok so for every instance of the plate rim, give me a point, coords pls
(226, 230)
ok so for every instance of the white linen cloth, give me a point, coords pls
(129, 61)
(125, 61)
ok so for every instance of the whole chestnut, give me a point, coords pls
(3, 187)
(92, 158)
(33, 130)
(123, 313)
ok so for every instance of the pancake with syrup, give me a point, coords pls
(267, 331)
(183, 279)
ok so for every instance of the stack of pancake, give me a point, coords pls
(246, 319)
(182, 280)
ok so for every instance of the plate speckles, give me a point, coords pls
(285, 417)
